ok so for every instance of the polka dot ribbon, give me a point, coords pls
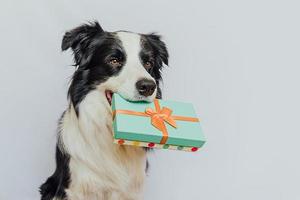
(152, 145)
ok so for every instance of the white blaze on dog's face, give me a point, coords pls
(115, 62)
(133, 82)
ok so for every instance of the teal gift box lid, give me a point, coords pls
(133, 124)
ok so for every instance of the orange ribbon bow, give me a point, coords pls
(159, 117)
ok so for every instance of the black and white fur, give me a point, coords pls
(88, 165)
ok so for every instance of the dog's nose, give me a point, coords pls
(145, 87)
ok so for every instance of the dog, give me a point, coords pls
(88, 165)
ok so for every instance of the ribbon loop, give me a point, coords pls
(158, 117)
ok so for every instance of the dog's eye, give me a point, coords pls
(147, 65)
(115, 62)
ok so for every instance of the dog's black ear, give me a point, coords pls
(80, 40)
(159, 46)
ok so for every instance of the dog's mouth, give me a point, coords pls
(108, 95)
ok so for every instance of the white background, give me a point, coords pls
(237, 61)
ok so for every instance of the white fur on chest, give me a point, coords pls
(99, 169)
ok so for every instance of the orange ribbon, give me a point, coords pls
(158, 118)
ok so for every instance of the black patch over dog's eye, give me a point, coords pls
(98, 55)
(153, 54)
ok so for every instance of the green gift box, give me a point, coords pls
(158, 124)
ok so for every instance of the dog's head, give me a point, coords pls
(115, 62)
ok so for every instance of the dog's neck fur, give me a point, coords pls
(97, 165)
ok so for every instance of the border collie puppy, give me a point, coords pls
(88, 165)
